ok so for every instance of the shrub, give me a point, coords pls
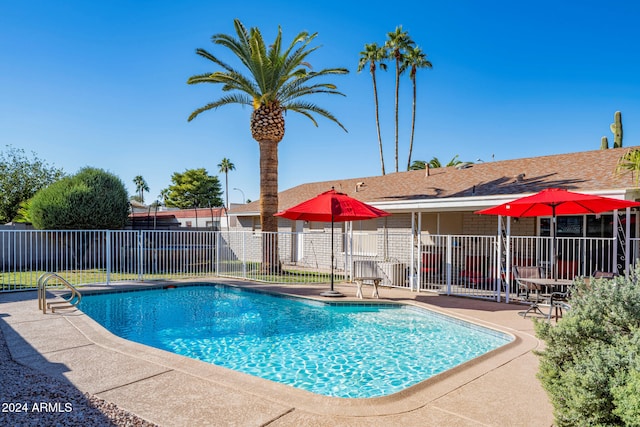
(590, 364)
(91, 199)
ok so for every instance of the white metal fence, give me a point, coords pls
(474, 266)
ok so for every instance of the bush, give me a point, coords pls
(590, 364)
(91, 199)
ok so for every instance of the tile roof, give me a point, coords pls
(583, 171)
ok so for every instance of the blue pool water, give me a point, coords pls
(342, 350)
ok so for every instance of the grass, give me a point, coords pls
(19, 280)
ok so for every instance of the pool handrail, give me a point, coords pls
(65, 303)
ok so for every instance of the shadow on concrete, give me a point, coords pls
(40, 396)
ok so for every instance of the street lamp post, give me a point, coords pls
(244, 200)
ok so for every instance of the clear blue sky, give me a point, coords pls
(103, 83)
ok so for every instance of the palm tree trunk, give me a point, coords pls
(413, 124)
(269, 205)
(226, 186)
(397, 96)
(375, 95)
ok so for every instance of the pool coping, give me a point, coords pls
(406, 401)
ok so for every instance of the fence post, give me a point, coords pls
(108, 256)
(244, 260)
(449, 262)
(140, 255)
(216, 253)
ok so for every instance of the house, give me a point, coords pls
(453, 245)
(152, 218)
(443, 200)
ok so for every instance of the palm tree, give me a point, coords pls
(373, 54)
(418, 165)
(164, 195)
(274, 84)
(224, 167)
(630, 162)
(141, 187)
(435, 163)
(397, 43)
(414, 59)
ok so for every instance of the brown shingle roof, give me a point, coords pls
(584, 171)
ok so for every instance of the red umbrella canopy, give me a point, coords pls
(332, 206)
(556, 201)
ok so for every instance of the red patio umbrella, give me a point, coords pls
(332, 206)
(557, 201)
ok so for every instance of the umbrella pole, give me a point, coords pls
(332, 255)
(331, 293)
(554, 244)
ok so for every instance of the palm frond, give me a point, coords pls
(212, 58)
(225, 100)
(306, 108)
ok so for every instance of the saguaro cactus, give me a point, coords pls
(616, 128)
(604, 143)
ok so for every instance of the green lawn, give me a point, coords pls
(29, 279)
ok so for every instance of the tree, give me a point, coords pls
(224, 167)
(20, 178)
(418, 165)
(435, 163)
(164, 195)
(397, 44)
(275, 83)
(415, 58)
(630, 162)
(89, 200)
(372, 55)
(194, 188)
(141, 187)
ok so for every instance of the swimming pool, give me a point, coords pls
(346, 350)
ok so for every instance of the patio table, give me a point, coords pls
(550, 285)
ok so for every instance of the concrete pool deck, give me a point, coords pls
(497, 389)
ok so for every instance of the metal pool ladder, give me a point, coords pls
(72, 301)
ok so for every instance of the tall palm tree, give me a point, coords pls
(397, 44)
(372, 55)
(141, 187)
(275, 81)
(224, 167)
(415, 58)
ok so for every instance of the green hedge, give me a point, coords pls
(91, 199)
(591, 364)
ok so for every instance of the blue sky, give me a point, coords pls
(103, 84)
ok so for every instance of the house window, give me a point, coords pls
(318, 225)
(568, 226)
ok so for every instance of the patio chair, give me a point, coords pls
(559, 301)
(431, 266)
(599, 274)
(567, 269)
(476, 270)
(528, 291)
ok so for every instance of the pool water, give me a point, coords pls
(339, 349)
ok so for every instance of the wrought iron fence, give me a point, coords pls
(473, 266)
